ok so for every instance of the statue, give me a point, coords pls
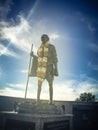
(45, 65)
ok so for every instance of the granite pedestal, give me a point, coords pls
(36, 117)
(40, 108)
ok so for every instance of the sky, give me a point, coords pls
(72, 26)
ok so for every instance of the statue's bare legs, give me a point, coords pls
(50, 92)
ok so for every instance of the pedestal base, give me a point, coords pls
(30, 116)
(41, 108)
(15, 121)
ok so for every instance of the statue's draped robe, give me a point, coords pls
(46, 59)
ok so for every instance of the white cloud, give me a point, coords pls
(54, 36)
(87, 87)
(93, 66)
(26, 32)
(11, 92)
(66, 91)
(8, 52)
(18, 35)
(16, 86)
(18, 90)
(24, 71)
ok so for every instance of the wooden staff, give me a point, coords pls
(28, 72)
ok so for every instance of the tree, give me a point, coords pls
(87, 97)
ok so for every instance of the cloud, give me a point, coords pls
(93, 66)
(91, 27)
(88, 21)
(16, 86)
(70, 90)
(87, 87)
(8, 52)
(18, 35)
(93, 47)
(11, 92)
(5, 8)
(24, 71)
(66, 91)
(21, 86)
(23, 34)
(54, 36)
(18, 90)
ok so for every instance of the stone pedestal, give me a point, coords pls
(36, 117)
(15, 121)
(41, 108)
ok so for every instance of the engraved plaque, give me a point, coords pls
(57, 125)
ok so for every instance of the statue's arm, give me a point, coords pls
(55, 61)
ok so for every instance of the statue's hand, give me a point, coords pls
(55, 72)
(32, 53)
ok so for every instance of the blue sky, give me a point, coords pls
(72, 26)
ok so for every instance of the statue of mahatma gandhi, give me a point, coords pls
(46, 67)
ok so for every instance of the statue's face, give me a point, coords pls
(44, 39)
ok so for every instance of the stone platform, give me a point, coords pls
(30, 116)
(41, 108)
(15, 121)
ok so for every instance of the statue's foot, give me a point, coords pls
(50, 102)
(37, 102)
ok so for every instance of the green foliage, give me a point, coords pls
(87, 97)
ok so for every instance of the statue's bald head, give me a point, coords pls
(44, 38)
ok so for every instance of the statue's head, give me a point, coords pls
(44, 38)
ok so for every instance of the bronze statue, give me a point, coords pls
(46, 65)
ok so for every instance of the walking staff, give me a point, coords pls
(28, 72)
